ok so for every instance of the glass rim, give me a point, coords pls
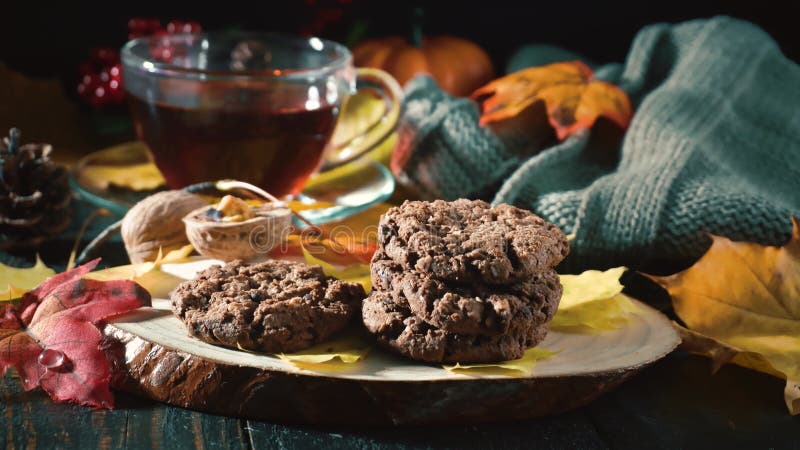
(129, 58)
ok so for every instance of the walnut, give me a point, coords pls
(234, 209)
(267, 227)
(155, 223)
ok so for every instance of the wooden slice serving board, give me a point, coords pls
(152, 355)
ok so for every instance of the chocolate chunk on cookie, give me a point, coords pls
(473, 308)
(273, 306)
(468, 240)
(401, 331)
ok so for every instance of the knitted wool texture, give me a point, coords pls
(713, 147)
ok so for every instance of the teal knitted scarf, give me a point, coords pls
(713, 147)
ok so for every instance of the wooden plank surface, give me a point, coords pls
(567, 431)
(679, 404)
(675, 404)
(32, 420)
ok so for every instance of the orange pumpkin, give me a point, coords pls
(458, 65)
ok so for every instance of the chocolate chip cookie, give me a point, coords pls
(473, 308)
(273, 306)
(468, 240)
(398, 329)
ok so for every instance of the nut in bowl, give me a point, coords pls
(233, 229)
(154, 224)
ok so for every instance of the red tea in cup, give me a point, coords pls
(275, 150)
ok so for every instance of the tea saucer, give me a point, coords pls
(118, 177)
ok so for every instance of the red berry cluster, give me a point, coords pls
(143, 26)
(100, 83)
(161, 49)
(323, 14)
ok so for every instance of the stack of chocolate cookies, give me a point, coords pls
(463, 282)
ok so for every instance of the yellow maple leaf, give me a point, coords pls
(137, 177)
(330, 356)
(357, 273)
(365, 125)
(573, 98)
(741, 302)
(592, 301)
(15, 281)
(148, 274)
(360, 112)
(127, 165)
(517, 367)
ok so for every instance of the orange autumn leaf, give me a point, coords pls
(349, 242)
(573, 98)
(336, 252)
(741, 304)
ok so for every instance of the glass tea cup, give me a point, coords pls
(256, 107)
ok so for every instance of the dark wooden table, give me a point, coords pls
(675, 404)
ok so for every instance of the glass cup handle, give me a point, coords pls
(390, 92)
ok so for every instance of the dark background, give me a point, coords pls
(43, 40)
(676, 404)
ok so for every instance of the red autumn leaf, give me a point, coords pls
(30, 301)
(52, 340)
(573, 98)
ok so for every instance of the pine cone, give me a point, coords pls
(34, 195)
